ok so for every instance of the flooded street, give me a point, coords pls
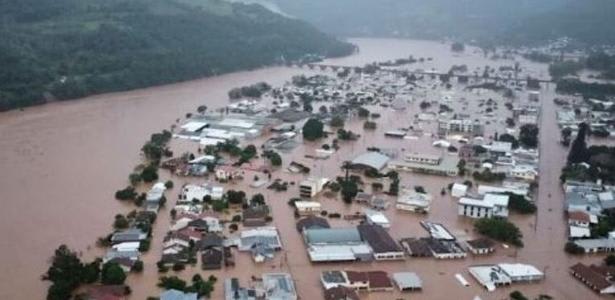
(63, 162)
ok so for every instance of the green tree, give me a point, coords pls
(528, 136)
(66, 274)
(609, 260)
(149, 173)
(235, 197)
(578, 150)
(350, 190)
(337, 121)
(499, 229)
(112, 274)
(172, 283)
(120, 222)
(363, 113)
(313, 130)
(516, 295)
(510, 139)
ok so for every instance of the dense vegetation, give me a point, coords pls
(499, 229)
(589, 163)
(64, 49)
(67, 273)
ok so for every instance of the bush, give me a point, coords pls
(516, 295)
(337, 121)
(363, 113)
(236, 218)
(120, 222)
(150, 173)
(128, 193)
(572, 248)
(169, 184)
(520, 204)
(137, 267)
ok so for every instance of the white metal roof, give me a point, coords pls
(406, 280)
(306, 204)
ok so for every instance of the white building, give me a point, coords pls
(410, 200)
(459, 190)
(524, 172)
(312, 186)
(377, 218)
(305, 208)
(491, 205)
(192, 192)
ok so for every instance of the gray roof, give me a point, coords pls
(405, 280)
(332, 235)
(371, 159)
(177, 295)
(129, 235)
(279, 286)
(595, 243)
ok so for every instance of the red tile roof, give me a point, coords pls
(578, 216)
(379, 279)
(591, 275)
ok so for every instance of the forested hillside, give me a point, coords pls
(64, 49)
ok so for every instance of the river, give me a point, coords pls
(62, 162)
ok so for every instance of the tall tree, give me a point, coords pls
(578, 150)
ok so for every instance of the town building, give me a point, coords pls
(407, 281)
(481, 246)
(459, 190)
(444, 165)
(383, 245)
(598, 278)
(491, 205)
(311, 187)
(492, 276)
(370, 160)
(336, 244)
(305, 208)
(376, 218)
(410, 200)
(312, 222)
(279, 286)
(601, 245)
(471, 127)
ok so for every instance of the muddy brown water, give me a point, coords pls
(62, 163)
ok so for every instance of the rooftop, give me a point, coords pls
(407, 280)
(372, 159)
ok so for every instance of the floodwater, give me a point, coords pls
(62, 163)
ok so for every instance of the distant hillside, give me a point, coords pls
(64, 49)
(431, 19)
(588, 21)
(486, 21)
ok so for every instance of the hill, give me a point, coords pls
(486, 21)
(64, 49)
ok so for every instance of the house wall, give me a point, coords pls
(474, 211)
